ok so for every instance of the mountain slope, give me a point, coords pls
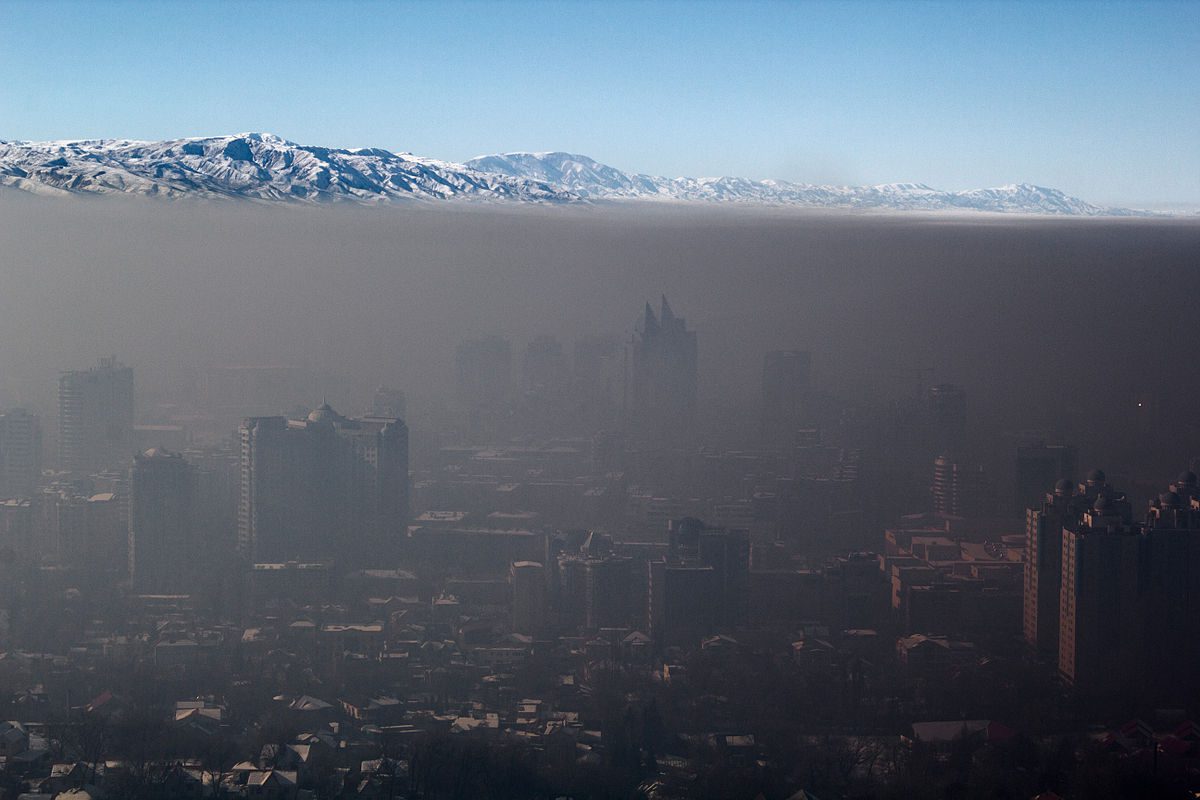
(257, 166)
(589, 178)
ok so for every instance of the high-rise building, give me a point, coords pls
(785, 395)
(1171, 575)
(959, 489)
(163, 546)
(1126, 592)
(323, 488)
(1101, 608)
(1044, 527)
(20, 453)
(95, 417)
(528, 580)
(663, 402)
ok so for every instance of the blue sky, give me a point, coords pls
(1101, 100)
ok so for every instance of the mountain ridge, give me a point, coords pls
(594, 180)
(267, 168)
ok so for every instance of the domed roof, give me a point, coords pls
(323, 413)
(1187, 478)
(1064, 487)
(1096, 476)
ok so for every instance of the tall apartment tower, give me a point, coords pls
(323, 488)
(1171, 575)
(1044, 528)
(20, 453)
(95, 417)
(163, 547)
(664, 376)
(1126, 591)
(785, 395)
(1101, 607)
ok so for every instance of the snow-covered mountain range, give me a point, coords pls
(257, 166)
(264, 167)
(591, 179)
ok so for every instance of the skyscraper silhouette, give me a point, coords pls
(663, 402)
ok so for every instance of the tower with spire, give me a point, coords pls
(663, 400)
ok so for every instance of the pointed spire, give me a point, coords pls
(666, 314)
(649, 322)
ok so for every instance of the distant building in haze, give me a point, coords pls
(702, 586)
(163, 545)
(528, 579)
(598, 379)
(664, 375)
(20, 453)
(786, 379)
(388, 402)
(960, 490)
(95, 417)
(544, 367)
(483, 371)
(323, 488)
